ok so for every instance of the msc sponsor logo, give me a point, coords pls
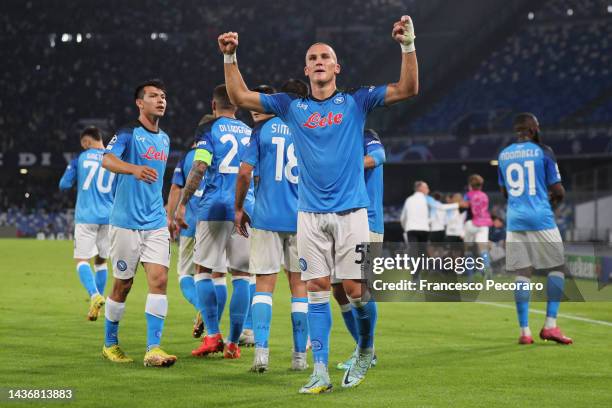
(317, 121)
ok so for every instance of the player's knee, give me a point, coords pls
(318, 284)
(339, 294)
(121, 288)
(99, 260)
(352, 288)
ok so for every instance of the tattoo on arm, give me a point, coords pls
(193, 180)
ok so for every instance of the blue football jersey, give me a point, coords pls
(328, 137)
(272, 153)
(374, 185)
(139, 205)
(225, 139)
(95, 187)
(179, 177)
(526, 170)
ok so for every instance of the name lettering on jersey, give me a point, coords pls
(371, 142)
(235, 129)
(520, 154)
(94, 156)
(280, 129)
(316, 120)
(153, 154)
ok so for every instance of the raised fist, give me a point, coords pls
(228, 42)
(403, 32)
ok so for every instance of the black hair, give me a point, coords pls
(221, 97)
(296, 86)
(157, 83)
(522, 119)
(264, 89)
(92, 132)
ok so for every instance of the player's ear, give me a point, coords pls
(337, 69)
(213, 105)
(306, 71)
(140, 103)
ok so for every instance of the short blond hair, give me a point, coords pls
(476, 181)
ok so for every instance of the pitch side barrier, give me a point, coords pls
(451, 272)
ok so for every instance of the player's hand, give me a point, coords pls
(241, 219)
(228, 42)
(172, 228)
(145, 173)
(403, 33)
(180, 216)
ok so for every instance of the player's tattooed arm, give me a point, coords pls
(239, 93)
(191, 185)
(242, 186)
(193, 180)
(408, 84)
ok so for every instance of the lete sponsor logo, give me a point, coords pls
(153, 154)
(316, 120)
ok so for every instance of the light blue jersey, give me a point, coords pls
(179, 177)
(139, 205)
(328, 137)
(95, 187)
(225, 139)
(526, 170)
(271, 152)
(374, 181)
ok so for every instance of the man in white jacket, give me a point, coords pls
(415, 219)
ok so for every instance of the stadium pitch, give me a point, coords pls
(429, 354)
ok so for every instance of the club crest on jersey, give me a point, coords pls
(316, 120)
(122, 265)
(303, 264)
(153, 154)
(339, 100)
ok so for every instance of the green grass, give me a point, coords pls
(430, 354)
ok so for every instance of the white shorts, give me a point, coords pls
(328, 244)
(91, 240)
(270, 250)
(218, 247)
(476, 234)
(538, 249)
(185, 264)
(129, 247)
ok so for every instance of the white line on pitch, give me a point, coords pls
(565, 316)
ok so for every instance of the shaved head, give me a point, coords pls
(319, 47)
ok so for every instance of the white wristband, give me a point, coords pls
(229, 58)
(408, 48)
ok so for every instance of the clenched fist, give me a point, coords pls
(228, 42)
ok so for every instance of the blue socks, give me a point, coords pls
(262, 317)
(299, 322)
(521, 296)
(87, 278)
(188, 289)
(101, 274)
(554, 292)
(248, 321)
(239, 306)
(319, 325)
(113, 312)
(350, 320)
(156, 310)
(207, 302)
(221, 291)
(366, 315)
